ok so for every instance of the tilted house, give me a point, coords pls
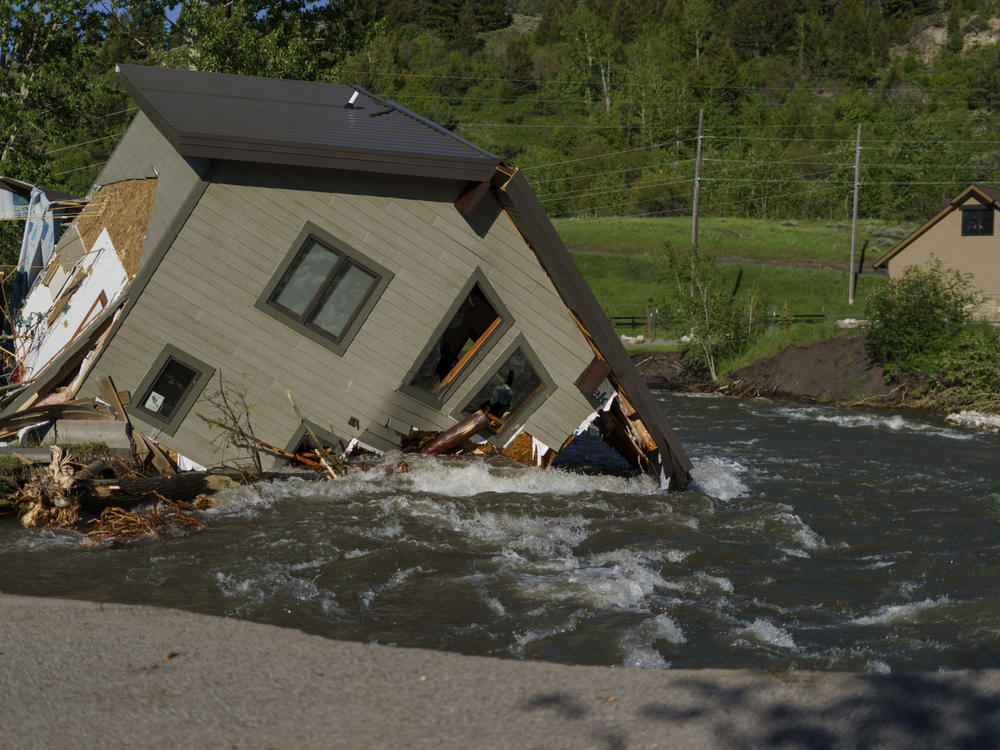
(317, 239)
(962, 236)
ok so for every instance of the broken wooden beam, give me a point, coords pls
(456, 435)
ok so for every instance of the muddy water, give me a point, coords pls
(814, 538)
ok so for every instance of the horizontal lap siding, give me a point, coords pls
(202, 301)
(979, 256)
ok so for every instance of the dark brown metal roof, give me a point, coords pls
(274, 121)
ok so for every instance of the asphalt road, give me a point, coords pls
(89, 675)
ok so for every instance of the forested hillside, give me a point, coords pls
(597, 101)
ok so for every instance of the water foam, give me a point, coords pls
(471, 478)
(719, 478)
(625, 584)
(767, 632)
(893, 613)
(877, 421)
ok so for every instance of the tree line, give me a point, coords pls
(596, 100)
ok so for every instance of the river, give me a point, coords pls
(813, 537)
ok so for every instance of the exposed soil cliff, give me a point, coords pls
(837, 370)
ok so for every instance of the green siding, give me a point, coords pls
(202, 296)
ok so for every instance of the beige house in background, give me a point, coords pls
(962, 236)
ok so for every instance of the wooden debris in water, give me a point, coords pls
(117, 525)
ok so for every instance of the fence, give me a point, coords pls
(636, 324)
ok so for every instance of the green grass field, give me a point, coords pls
(815, 242)
(623, 284)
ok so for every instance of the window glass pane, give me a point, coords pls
(977, 221)
(508, 389)
(342, 298)
(169, 388)
(466, 332)
(305, 278)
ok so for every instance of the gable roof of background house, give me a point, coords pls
(275, 121)
(985, 194)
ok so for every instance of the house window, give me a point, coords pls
(977, 221)
(324, 289)
(513, 388)
(170, 388)
(474, 322)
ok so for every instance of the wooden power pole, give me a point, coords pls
(854, 218)
(697, 181)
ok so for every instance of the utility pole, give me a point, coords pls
(854, 219)
(697, 186)
(697, 181)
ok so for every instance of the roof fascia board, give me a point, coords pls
(953, 205)
(532, 222)
(403, 164)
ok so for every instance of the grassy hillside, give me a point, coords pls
(621, 260)
(788, 242)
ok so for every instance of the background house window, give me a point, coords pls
(171, 387)
(977, 220)
(323, 289)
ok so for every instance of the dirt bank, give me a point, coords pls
(837, 370)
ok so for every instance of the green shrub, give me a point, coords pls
(914, 318)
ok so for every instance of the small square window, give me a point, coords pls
(170, 389)
(324, 289)
(977, 221)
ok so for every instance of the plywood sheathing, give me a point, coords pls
(123, 208)
(522, 450)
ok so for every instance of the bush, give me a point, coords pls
(914, 318)
(721, 320)
(969, 376)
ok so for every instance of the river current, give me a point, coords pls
(813, 537)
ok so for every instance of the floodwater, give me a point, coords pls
(814, 537)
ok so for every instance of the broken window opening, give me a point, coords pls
(507, 391)
(467, 332)
(324, 289)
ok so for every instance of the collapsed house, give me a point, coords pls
(269, 236)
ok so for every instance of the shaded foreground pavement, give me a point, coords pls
(84, 674)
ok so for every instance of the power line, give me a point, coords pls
(602, 156)
(79, 169)
(84, 143)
